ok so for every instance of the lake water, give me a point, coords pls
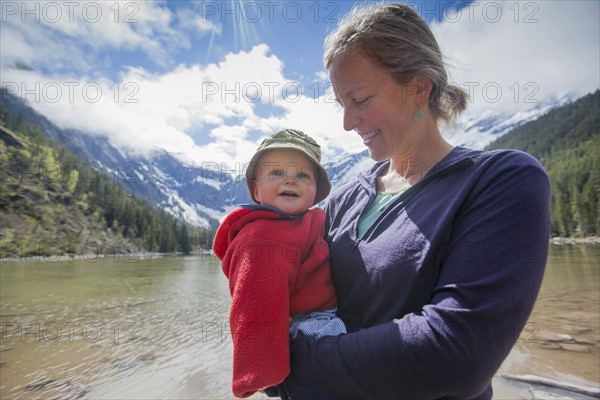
(158, 328)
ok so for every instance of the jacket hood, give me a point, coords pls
(238, 218)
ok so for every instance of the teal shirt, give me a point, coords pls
(367, 219)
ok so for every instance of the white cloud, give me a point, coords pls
(44, 33)
(144, 112)
(322, 76)
(246, 95)
(189, 19)
(36, 44)
(511, 55)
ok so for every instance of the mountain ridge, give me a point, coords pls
(202, 195)
(54, 203)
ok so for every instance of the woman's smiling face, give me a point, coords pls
(376, 106)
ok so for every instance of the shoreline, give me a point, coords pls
(134, 256)
(558, 240)
(122, 257)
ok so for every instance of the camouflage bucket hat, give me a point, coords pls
(295, 140)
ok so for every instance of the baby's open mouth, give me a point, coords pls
(288, 194)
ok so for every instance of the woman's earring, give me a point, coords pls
(418, 114)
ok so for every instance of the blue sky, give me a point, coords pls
(207, 79)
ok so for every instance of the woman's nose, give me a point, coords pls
(350, 118)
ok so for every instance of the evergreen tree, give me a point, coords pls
(567, 142)
(43, 192)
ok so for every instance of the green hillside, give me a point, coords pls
(53, 203)
(567, 142)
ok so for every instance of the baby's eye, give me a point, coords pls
(303, 175)
(278, 172)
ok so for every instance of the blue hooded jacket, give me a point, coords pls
(439, 289)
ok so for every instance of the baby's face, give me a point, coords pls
(286, 179)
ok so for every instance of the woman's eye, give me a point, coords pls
(360, 102)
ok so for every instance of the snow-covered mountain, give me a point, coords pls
(203, 195)
(478, 130)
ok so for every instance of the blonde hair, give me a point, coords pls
(397, 39)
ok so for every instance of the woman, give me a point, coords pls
(437, 252)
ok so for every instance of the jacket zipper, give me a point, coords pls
(421, 185)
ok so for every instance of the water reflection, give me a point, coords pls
(157, 328)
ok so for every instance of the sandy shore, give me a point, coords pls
(519, 361)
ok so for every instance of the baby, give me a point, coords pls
(277, 261)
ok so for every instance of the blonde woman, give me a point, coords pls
(437, 252)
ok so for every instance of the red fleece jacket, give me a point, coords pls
(276, 268)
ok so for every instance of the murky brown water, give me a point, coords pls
(157, 328)
(152, 328)
(562, 339)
